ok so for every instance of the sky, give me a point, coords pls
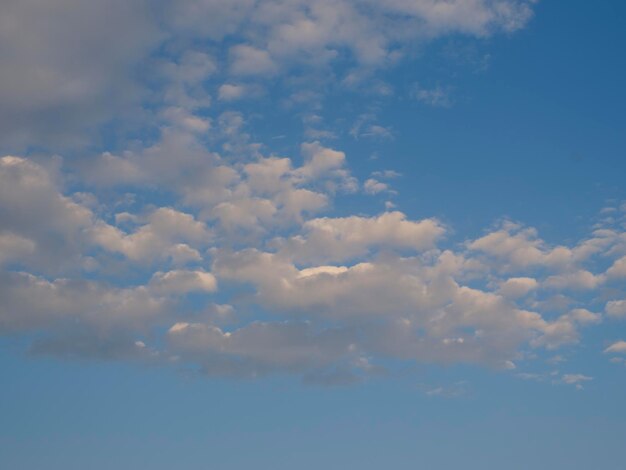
(312, 234)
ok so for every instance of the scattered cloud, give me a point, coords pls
(619, 347)
(437, 97)
(576, 379)
(190, 242)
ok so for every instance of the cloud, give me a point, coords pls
(576, 379)
(166, 235)
(248, 60)
(514, 247)
(518, 286)
(618, 269)
(372, 186)
(40, 226)
(182, 282)
(619, 347)
(32, 303)
(103, 76)
(117, 253)
(315, 33)
(616, 308)
(577, 280)
(438, 97)
(338, 239)
(380, 286)
(231, 92)
(63, 70)
(166, 51)
(261, 348)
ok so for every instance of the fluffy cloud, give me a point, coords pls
(316, 32)
(40, 226)
(164, 236)
(618, 270)
(182, 282)
(338, 294)
(130, 269)
(32, 303)
(514, 247)
(401, 299)
(616, 308)
(518, 286)
(340, 239)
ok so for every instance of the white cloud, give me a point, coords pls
(231, 92)
(338, 293)
(182, 282)
(32, 303)
(616, 308)
(338, 239)
(565, 329)
(516, 287)
(372, 186)
(386, 174)
(40, 226)
(575, 379)
(102, 76)
(315, 32)
(248, 60)
(578, 280)
(618, 269)
(514, 247)
(619, 347)
(381, 281)
(164, 236)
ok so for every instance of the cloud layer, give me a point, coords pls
(191, 244)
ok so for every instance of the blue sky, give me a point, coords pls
(323, 234)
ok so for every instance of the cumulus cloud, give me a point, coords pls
(618, 269)
(372, 186)
(40, 226)
(32, 303)
(164, 236)
(338, 239)
(518, 286)
(248, 60)
(121, 253)
(231, 92)
(340, 293)
(182, 282)
(315, 32)
(515, 247)
(616, 308)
